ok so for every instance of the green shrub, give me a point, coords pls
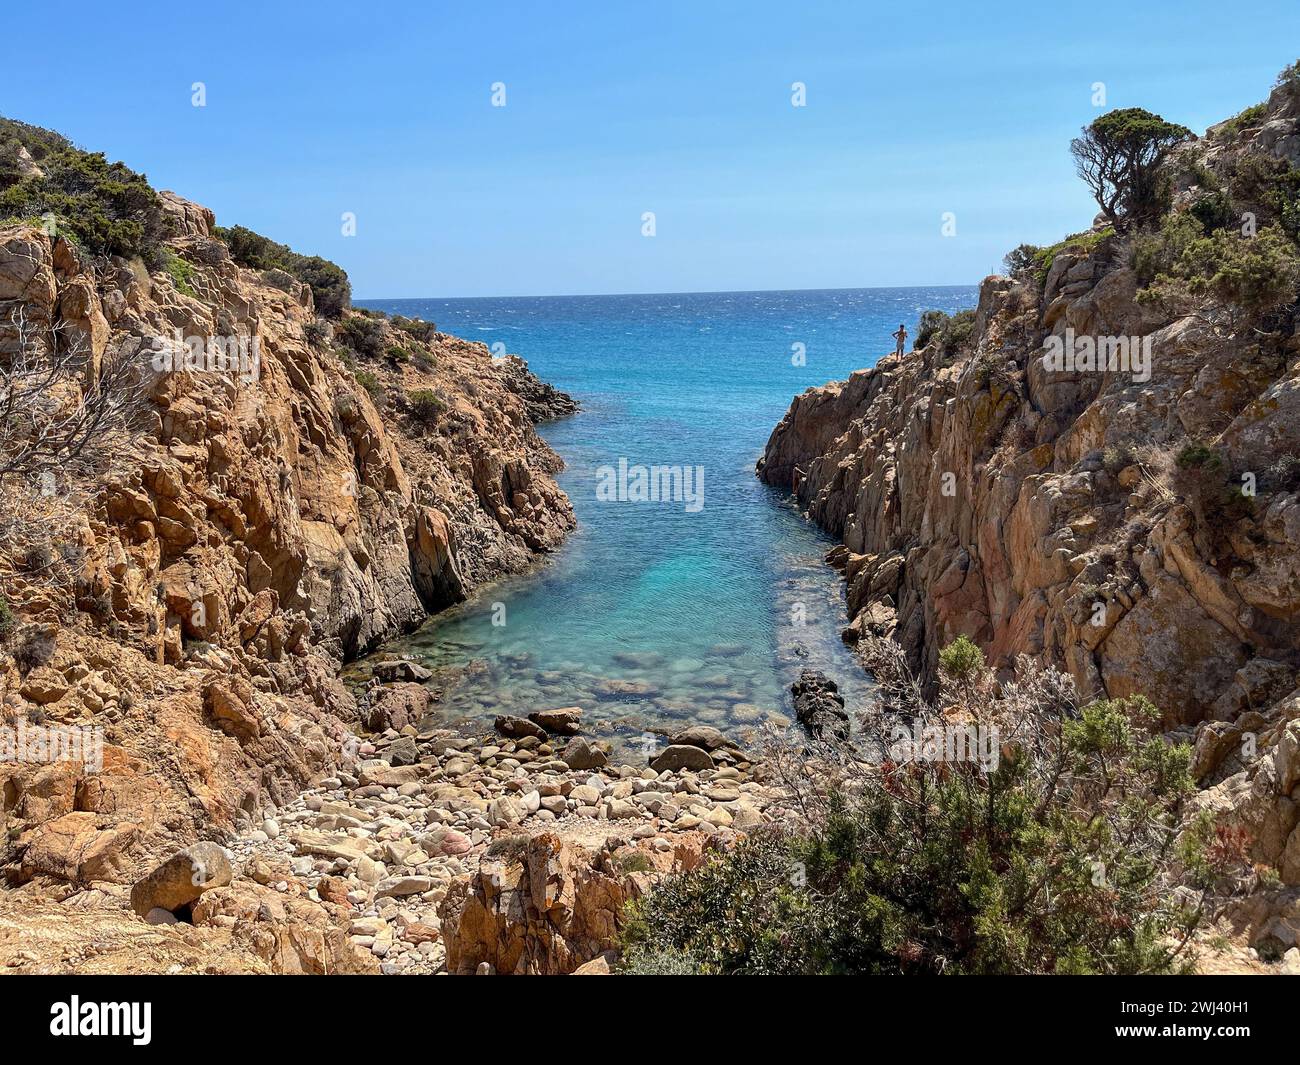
(1289, 76)
(1269, 188)
(1213, 210)
(418, 328)
(396, 354)
(317, 332)
(952, 332)
(105, 208)
(1182, 265)
(1243, 120)
(331, 290)
(1063, 858)
(1203, 481)
(1078, 243)
(1198, 456)
(426, 407)
(929, 326)
(363, 335)
(6, 618)
(1020, 259)
(181, 272)
(957, 332)
(370, 383)
(961, 661)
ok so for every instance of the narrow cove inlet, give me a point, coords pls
(365, 612)
(701, 604)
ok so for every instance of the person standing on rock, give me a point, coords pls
(901, 337)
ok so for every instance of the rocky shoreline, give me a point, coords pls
(1139, 534)
(414, 857)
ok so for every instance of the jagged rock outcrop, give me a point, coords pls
(271, 520)
(981, 491)
(543, 401)
(819, 706)
(543, 905)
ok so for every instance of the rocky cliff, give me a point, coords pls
(260, 522)
(1137, 528)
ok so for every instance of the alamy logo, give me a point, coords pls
(947, 743)
(41, 745)
(1099, 354)
(134, 1019)
(239, 355)
(651, 484)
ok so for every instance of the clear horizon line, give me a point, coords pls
(680, 292)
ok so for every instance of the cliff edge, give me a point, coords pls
(1129, 515)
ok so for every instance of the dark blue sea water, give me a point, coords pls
(657, 613)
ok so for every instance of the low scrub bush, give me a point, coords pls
(1062, 855)
(1079, 244)
(105, 208)
(1204, 482)
(1021, 259)
(330, 287)
(1185, 268)
(363, 335)
(371, 384)
(181, 273)
(416, 327)
(426, 407)
(1251, 116)
(317, 332)
(952, 332)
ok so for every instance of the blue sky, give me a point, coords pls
(612, 110)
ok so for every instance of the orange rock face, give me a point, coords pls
(260, 529)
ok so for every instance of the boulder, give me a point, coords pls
(581, 753)
(400, 669)
(292, 934)
(598, 966)
(504, 811)
(181, 879)
(819, 706)
(563, 721)
(74, 848)
(681, 756)
(551, 906)
(518, 727)
(394, 706)
(705, 737)
(402, 752)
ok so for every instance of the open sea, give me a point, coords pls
(701, 608)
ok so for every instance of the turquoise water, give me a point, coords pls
(692, 608)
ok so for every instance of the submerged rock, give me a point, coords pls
(401, 670)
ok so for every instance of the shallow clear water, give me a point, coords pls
(691, 609)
